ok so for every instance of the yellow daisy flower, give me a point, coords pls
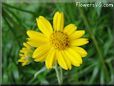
(57, 44)
(26, 54)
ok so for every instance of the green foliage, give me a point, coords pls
(97, 67)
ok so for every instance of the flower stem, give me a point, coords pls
(59, 74)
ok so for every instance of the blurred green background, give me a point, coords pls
(97, 67)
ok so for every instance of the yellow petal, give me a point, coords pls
(21, 60)
(74, 57)
(20, 55)
(61, 60)
(41, 51)
(25, 63)
(41, 59)
(50, 58)
(23, 50)
(67, 61)
(75, 54)
(36, 43)
(36, 35)
(80, 50)
(44, 26)
(77, 34)
(69, 29)
(58, 21)
(26, 45)
(79, 42)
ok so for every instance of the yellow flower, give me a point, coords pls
(25, 54)
(57, 44)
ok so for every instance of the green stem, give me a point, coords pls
(59, 74)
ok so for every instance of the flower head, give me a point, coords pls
(57, 44)
(25, 54)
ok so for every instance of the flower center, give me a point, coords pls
(59, 40)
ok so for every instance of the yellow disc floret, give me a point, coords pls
(59, 40)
